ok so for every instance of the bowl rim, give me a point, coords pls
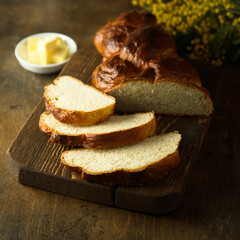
(48, 65)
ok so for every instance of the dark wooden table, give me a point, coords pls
(211, 204)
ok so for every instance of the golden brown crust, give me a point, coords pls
(146, 43)
(100, 36)
(174, 69)
(43, 127)
(113, 73)
(150, 174)
(104, 140)
(111, 37)
(78, 117)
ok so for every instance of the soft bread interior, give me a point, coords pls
(113, 124)
(132, 158)
(162, 97)
(72, 94)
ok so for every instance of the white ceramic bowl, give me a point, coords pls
(22, 56)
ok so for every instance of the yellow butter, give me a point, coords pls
(48, 44)
(47, 50)
(60, 55)
(39, 57)
(32, 43)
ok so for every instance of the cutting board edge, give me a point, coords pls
(22, 174)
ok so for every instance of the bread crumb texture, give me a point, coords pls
(72, 94)
(162, 97)
(131, 158)
(114, 123)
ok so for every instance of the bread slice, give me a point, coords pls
(135, 164)
(118, 130)
(71, 101)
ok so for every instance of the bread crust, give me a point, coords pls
(102, 140)
(114, 72)
(109, 40)
(111, 37)
(147, 43)
(78, 117)
(139, 177)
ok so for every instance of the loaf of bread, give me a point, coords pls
(72, 102)
(118, 130)
(136, 164)
(145, 74)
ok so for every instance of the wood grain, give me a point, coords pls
(210, 207)
(38, 162)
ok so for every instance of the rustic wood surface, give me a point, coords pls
(210, 207)
(34, 160)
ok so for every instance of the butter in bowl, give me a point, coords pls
(45, 52)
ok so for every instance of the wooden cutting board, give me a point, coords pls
(34, 160)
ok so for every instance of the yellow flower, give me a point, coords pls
(201, 18)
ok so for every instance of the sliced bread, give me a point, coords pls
(134, 164)
(71, 101)
(118, 130)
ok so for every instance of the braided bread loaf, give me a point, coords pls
(142, 70)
